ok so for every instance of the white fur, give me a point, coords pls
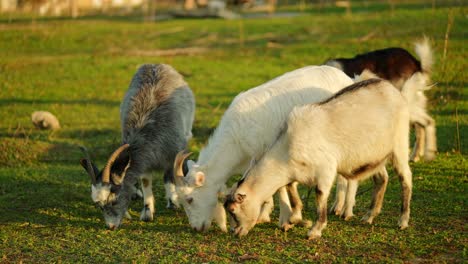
(100, 193)
(250, 124)
(361, 127)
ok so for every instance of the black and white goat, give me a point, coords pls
(402, 69)
(353, 133)
(397, 65)
(156, 114)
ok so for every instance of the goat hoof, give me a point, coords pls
(286, 227)
(403, 226)
(296, 218)
(415, 159)
(314, 235)
(128, 216)
(367, 219)
(146, 215)
(348, 217)
(430, 156)
(171, 205)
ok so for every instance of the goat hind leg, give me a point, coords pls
(419, 144)
(380, 185)
(169, 186)
(340, 196)
(350, 199)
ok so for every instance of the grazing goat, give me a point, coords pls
(247, 128)
(401, 69)
(397, 65)
(157, 113)
(353, 133)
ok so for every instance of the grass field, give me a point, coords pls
(80, 69)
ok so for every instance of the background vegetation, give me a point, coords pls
(80, 69)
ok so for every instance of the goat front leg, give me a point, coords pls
(169, 186)
(285, 209)
(322, 191)
(148, 198)
(265, 212)
(380, 185)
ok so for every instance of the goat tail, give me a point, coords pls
(424, 52)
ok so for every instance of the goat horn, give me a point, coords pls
(89, 166)
(106, 171)
(178, 166)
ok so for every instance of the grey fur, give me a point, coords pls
(156, 113)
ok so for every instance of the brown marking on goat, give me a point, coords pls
(321, 210)
(155, 84)
(145, 182)
(364, 169)
(352, 88)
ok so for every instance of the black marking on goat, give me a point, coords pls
(241, 181)
(389, 63)
(230, 200)
(352, 88)
(318, 191)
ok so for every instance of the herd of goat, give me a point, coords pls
(313, 126)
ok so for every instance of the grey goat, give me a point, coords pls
(156, 115)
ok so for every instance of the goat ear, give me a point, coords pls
(90, 168)
(239, 197)
(199, 179)
(119, 168)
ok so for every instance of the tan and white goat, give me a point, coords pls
(353, 133)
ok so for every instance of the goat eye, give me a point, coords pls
(189, 200)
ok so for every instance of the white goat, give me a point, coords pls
(247, 128)
(353, 133)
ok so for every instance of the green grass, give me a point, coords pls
(80, 70)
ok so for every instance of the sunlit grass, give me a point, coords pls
(80, 69)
